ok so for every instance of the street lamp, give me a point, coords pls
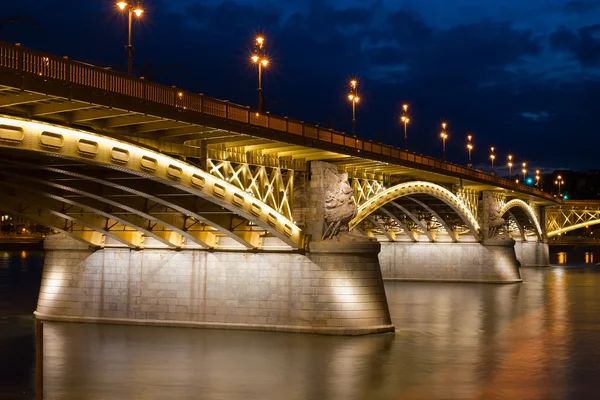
(405, 120)
(469, 148)
(353, 97)
(492, 157)
(537, 178)
(524, 170)
(559, 181)
(444, 136)
(510, 165)
(132, 9)
(260, 58)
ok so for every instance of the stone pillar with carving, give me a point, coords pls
(344, 257)
(492, 222)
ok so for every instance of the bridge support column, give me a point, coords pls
(533, 253)
(329, 290)
(449, 262)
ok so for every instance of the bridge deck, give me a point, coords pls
(56, 89)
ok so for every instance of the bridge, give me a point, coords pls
(176, 208)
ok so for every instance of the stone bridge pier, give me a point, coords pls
(505, 236)
(334, 286)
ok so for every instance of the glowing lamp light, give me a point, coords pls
(529, 181)
(121, 5)
(264, 62)
(254, 58)
(565, 197)
(138, 12)
(260, 40)
(350, 97)
(356, 98)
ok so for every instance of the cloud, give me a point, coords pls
(535, 116)
(581, 6)
(583, 44)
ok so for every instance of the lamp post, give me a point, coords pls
(259, 58)
(353, 97)
(524, 171)
(537, 178)
(469, 149)
(405, 120)
(132, 10)
(444, 136)
(559, 181)
(510, 165)
(492, 157)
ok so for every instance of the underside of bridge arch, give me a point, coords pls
(110, 193)
(417, 211)
(522, 222)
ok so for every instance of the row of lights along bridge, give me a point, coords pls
(259, 58)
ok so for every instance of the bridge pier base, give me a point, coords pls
(450, 262)
(533, 253)
(330, 290)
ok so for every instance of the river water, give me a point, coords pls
(535, 340)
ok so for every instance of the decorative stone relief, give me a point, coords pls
(492, 215)
(339, 205)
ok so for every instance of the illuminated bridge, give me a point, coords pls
(177, 208)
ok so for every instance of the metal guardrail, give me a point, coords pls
(22, 60)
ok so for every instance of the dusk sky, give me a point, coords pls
(523, 76)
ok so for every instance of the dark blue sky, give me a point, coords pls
(523, 76)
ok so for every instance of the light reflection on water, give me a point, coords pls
(535, 340)
(574, 258)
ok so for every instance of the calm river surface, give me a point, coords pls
(535, 340)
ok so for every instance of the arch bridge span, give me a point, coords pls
(110, 193)
(416, 209)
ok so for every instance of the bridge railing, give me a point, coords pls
(22, 60)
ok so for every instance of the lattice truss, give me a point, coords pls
(272, 185)
(470, 198)
(364, 189)
(562, 220)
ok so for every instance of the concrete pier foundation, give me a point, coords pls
(450, 262)
(533, 253)
(329, 290)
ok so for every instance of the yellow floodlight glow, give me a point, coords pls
(188, 172)
(121, 5)
(405, 107)
(260, 40)
(264, 62)
(138, 12)
(350, 97)
(254, 58)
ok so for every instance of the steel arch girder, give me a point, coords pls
(519, 226)
(450, 232)
(409, 233)
(100, 150)
(89, 237)
(138, 219)
(52, 219)
(132, 221)
(141, 188)
(414, 218)
(417, 187)
(528, 210)
(374, 221)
